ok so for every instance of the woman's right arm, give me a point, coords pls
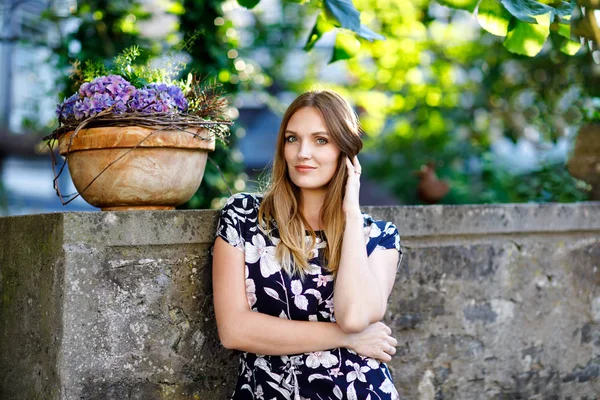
(242, 329)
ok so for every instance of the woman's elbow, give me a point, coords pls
(351, 324)
(229, 339)
(355, 322)
(227, 342)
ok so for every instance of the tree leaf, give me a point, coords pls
(368, 34)
(526, 39)
(568, 46)
(493, 17)
(322, 25)
(248, 3)
(345, 12)
(346, 46)
(468, 5)
(526, 10)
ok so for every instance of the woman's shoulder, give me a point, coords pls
(380, 233)
(243, 201)
(370, 222)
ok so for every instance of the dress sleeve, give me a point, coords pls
(390, 238)
(232, 221)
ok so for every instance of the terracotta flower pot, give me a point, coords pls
(584, 163)
(163, 171)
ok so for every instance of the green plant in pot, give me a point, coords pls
(134, 138)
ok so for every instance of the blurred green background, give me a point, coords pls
(448, 107)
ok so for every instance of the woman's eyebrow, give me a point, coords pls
(318, 133)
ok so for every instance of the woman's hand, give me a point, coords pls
(374, 342)
(351, 203)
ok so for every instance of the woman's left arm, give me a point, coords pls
(363, 284)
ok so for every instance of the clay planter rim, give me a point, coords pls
(112, 137)
(96, 154)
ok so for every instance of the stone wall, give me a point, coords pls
(490, 302)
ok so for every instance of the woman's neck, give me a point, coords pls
(311, 203)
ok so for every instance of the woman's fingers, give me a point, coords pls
(349, 165)
(353, 166)
(391, 350)
(356, 165)
(392, 340)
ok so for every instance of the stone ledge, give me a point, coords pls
(197, 226)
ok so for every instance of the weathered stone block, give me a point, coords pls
(490, 302)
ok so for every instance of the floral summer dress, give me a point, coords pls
(327, 375)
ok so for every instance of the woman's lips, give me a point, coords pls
(304, 168)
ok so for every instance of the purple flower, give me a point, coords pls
(98, 95)
(113, 91)
(65, 109)
(159, 97)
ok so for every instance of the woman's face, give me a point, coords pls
(310, 154)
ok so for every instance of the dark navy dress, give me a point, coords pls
(328, 375)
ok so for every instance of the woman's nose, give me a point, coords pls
(305, 151)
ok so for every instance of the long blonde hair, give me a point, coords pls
(281, 200)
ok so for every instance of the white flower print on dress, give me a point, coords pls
(323, 280)
(335, 374)
(372, 363)
(299, 299)
(233, 237)
(250, 289)
(388, 387)
(250, 292)
(318, 358)
(329, 305)
(259, 392)
(358, 373)
(313, 269)
(319, 244)
(258, 250)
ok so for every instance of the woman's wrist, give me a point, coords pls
(353, 213)
(346, 339)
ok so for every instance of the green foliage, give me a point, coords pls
(91, 70)
(525, 23)
(109, 29)
(346, 46)
(341, 16)
(525, 38)
(248, 3)
(439, 90)
(468, 5)
(591, 110)
(209, 60)
(493, 17)
(106, 28)
(125, 64)
(549, 183)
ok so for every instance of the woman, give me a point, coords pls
(284, 261)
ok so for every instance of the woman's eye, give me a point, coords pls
(322, 141)
(290, 139)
